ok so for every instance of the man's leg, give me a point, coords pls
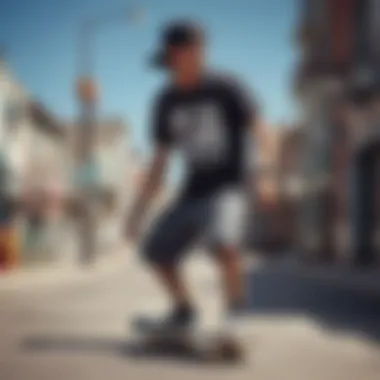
(229, 260)
(226, 235)
(173, 283)
(164, 249)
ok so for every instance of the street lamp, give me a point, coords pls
(88, 97)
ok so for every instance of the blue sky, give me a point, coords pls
(252, 38)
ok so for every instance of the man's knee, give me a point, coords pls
(225, 253)
(154, 251)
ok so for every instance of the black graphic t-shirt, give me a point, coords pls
(209, 125)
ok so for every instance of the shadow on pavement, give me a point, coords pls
(273, 292)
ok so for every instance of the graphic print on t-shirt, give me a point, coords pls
(208, 125)
(200, 132)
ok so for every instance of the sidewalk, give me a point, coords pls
(25, 279)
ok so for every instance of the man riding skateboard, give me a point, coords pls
(208, 118)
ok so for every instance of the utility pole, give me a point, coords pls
(86, 165)
(87, 92)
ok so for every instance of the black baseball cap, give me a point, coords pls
(176, 34)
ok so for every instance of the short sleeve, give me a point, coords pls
(160, 127)
(243, 103)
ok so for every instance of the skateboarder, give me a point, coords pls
(207, 117)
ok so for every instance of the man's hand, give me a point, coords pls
(132, 226)
(149, 190)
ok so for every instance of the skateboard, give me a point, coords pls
(197, 344)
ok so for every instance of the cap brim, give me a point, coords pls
(158, 60)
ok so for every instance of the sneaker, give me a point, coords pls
(178, 321)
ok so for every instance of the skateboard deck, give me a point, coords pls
(199, 344)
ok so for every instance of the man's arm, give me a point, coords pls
(162, 141)
(149, 189)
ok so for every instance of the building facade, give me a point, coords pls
(34, 151)
(337, 87)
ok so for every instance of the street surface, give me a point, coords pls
(298, 328)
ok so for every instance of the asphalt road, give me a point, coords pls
(298, 329)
